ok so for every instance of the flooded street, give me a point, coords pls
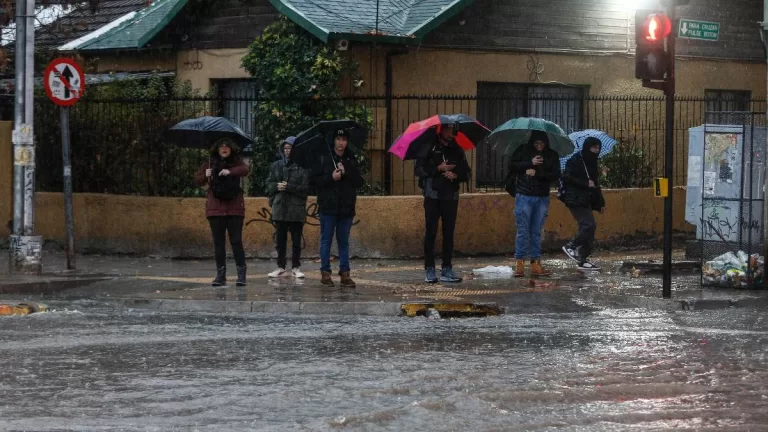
(93, 368)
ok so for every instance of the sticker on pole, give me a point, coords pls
(64, 82)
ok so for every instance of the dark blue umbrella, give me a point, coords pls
(203, 132)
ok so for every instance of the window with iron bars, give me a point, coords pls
(499, 102)
(728, 100)
(236, 100)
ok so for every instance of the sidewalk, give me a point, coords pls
(383, 287)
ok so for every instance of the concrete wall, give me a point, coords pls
(385, 226)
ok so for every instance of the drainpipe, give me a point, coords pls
(389, 85)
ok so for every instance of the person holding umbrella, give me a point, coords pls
(225, 205)
(440, 174)
(288, 187)
(537, 168)
(336, 178)
(582, 195)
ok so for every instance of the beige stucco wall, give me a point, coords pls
(199, 67)
(386, 227)
(440, 72)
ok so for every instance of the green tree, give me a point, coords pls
(299, 85)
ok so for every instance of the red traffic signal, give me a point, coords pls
(655, 28)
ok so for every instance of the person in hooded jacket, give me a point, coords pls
(288, 188)
(336, 178)
(225, 205)
(537, 168)
(583, 196)
(440, 175)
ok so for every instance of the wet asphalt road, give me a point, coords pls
(93, 368)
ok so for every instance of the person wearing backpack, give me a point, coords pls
(225, 205)
(288, 187)
(537, 168)
(581, 193)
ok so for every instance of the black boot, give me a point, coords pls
(221, 277)
(241, 276)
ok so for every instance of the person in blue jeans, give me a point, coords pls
(536, 167)
(336, 178)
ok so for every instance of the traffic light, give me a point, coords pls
(652, 29)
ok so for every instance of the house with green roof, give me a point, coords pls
(517, 50)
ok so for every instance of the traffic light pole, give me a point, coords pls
(669, 155)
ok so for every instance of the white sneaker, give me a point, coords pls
(277, 273)
(297, 273)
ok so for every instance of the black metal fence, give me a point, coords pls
(121, 146)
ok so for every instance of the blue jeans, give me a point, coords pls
(530, 213)
(341, 226)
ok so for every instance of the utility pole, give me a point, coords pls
(26, 248)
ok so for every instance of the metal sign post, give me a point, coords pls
(65, 84)
(67, 188)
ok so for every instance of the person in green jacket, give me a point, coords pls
(288, 188)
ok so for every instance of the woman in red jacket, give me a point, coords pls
(225, 206)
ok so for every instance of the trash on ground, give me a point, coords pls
(493, 272)
(21, 309)
(732, 270)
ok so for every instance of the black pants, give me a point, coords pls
(434, 211)
(220, 225)
(585, 238)
(283, 228)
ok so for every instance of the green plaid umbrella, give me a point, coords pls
(517, 132)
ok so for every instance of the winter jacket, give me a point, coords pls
(337, 198)
(576, 182)
(217, 207)
(546, 176)
(289, 205)
(432, 181)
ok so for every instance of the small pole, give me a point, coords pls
(67, 188)
(669, 159)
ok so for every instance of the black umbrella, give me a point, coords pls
(204, 131)
(317, 139)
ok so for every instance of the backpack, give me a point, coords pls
(225, 188)
(561, 190)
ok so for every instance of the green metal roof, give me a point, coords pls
(397, 21)
(136, 31)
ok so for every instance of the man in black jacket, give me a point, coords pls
(537, 167)
(582, 196)
(440, 174)
(336, 178)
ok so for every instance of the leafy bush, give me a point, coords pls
(629, 166)
(299, 79)
(119, 139)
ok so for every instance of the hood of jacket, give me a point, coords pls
(591, 159)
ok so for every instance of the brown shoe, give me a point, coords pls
(347, 281)
(325, 279)
(520, 269)
(538, 270)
